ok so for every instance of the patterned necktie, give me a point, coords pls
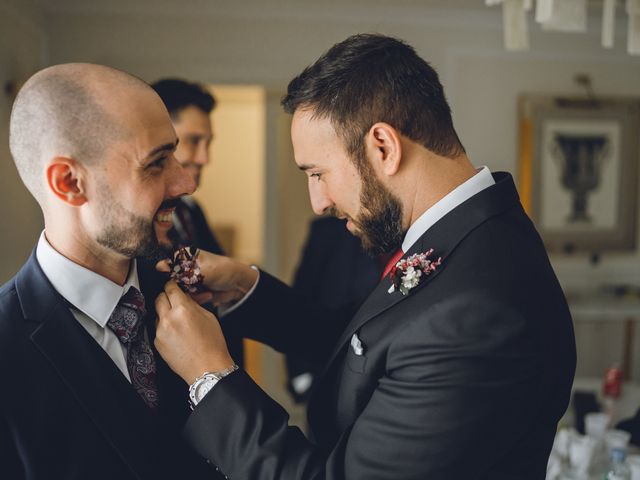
(398, 254)
(126, 323)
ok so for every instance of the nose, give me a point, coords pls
(320, 200)
(202, 154)
(179, 181)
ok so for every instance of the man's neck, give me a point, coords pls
(92, 257)
(442, 177)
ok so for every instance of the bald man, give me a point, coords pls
(84, 393)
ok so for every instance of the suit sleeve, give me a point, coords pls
(459, 389)
(276, 315)
(10, 466)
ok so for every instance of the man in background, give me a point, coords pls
(190, 106)
(85, 395)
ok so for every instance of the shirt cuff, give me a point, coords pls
(222, 311)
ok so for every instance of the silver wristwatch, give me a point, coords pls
(205, 382)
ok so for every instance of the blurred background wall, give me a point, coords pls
(248, 50)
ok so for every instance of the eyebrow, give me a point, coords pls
(306, 167)
(198, 135)
(167, 147)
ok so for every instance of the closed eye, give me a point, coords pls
(316, 175)
(158, 163)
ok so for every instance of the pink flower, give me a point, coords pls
(409, 272)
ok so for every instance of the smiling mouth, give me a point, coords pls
(165, 216)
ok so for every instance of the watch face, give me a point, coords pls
(204, 388)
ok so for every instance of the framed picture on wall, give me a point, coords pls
(578, 170)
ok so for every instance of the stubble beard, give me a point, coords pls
(125, 232)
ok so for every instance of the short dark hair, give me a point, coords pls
(178, 94)
(371, 78)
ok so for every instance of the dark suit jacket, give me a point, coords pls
(193, 230)
(66, 411)
(334, 273)
(463, 378)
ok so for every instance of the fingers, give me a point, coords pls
(162, 304)
(163, 266)
(202, 297)
(173, 293)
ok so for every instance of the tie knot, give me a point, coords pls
(125, 318)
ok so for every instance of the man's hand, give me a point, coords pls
(227, 280)
(189, 337)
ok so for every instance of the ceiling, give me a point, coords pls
(212, 7)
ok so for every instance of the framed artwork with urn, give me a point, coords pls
(578, 170)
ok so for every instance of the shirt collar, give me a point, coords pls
(94, 295)
(481, 180)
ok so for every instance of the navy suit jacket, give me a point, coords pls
(464, 378)
(66, 411)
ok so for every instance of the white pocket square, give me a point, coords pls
(356, 345)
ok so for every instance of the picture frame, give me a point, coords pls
(578, 170)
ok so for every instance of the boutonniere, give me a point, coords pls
(410, 271)
(185, 269)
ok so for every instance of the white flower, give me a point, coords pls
(408, 272)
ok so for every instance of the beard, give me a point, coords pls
(127, 233)
(379, 222)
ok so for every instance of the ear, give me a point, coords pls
(384, 148)
(65, 178)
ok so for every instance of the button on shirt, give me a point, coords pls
(92, 297)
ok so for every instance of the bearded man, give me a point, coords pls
(459, 364)
(85, 395)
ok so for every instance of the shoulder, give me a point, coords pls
(8, 298)
(11, 317)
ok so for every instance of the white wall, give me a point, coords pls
(231, 190)
(22, 52)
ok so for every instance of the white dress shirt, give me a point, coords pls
(92, 296)
(463, 192)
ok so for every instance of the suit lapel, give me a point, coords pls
(443, 237)
(87, 371)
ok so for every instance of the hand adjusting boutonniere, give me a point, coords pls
(409, 272)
